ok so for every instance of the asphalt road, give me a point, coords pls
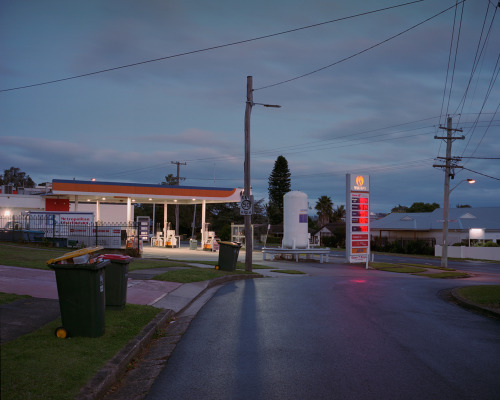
(350, 334)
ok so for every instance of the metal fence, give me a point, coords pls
(46, 229)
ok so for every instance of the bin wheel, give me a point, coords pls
(217, 267)
(61, 332)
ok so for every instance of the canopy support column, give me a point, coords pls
(98, 211)
(165, 223)
(203, 228)
(129, 211)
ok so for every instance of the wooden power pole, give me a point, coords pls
(246, 187)
(449, 172)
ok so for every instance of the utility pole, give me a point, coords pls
(178, 163)
(449, 172)
(247, 185)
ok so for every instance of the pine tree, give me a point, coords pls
(279, 185)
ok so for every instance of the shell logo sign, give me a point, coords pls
(360, 182)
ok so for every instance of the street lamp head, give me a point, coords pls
(266, 105)
(471, 181)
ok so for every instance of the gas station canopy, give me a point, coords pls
(112, 192)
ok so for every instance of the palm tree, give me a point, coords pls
(339, 213)
(324, 208)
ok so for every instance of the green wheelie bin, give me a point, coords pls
(116, 278)
(81, 298)
(228, 255)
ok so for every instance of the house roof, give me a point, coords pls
(330, 227)
(459, 219)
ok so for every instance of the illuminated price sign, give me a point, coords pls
(360, 213)
(358, 217)
(359, 200)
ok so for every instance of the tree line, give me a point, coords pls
(220, 216)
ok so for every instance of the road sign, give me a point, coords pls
(246, 205)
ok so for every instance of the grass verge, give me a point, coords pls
(484, 295)
(145, 263)
(288, 271)
(428, 266)
(9, 297)
(445, 275)
(28, 256)
(420, 270)
(40, 366)
(35, 256)
(405, 269)
(239, 264)
(195, 274)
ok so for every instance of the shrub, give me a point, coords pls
(225, 233)
(490, 244)
(274, 240)
(420, 247)
(134, 252)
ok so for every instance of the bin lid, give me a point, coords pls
(120, 257)
(76, 253)
(232, 244)
(87, 267)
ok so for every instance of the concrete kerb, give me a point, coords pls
(115, 368)
(471, 306)
(108, 375)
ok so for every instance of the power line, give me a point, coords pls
(307, 144)
(477, 57)
(488, 176)
(492, 83)
(360, 52)
(483, 158)
(456, 56)
(209, 48)
(407, 164)
(472, 130)
(350, 135)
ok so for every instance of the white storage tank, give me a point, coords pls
(295, 232)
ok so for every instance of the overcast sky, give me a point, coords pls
(373, 105)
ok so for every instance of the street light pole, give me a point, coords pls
(446, 205)
(247, 185)
(246, 188)
(444, 254)
(450, 165)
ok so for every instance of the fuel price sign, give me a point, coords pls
(357, 218)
